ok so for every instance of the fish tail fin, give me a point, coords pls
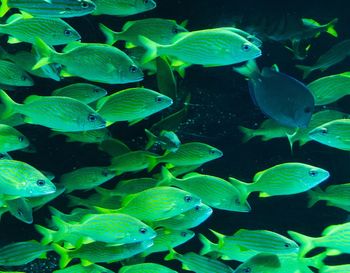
(61, 225)
(64, 253)
(48, 234)
(291, 140)
(248, 134)
(55, 211)
(171, 255)
(111, 36)
(306, 70)
(330, 28)
(4, 8)
(151, 49)
(103, 210)
(208, 246)
(306, 242)
(242, 187)
(314, 196)
(151, 139)
(166, 177)
(9, 105)
(249, 69)
(317, 260)
(74, 201)
(45, 53)
(152, 163)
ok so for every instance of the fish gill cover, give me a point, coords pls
(130, 128)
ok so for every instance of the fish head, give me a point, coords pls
(37, 184)
(260, 263)
(145, 5)
(288, 246)
(66, 32)
(240, 204)
(320, 134)
(91, 120)
(85, 6)
(243, 50)
(24, 79)
(107, 173)
(161, 102)
(315, 176)
(214, 153)
(189, 201)
(129, 72)
(98, 92)
(203, 210)
(142, 232)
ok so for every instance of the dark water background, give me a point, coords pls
(223, 104)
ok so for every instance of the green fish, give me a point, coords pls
(167, 238)
(204, 47)
(283, 179)
(197, 263)
(123, 7)
(333, 56)
(188, 219)
(335, 195)
(146, 268)
(86, 178)
(166, 80)
(156, 204)
(167, 140)
(335, 237)
(78, 268)
(91, 136)
(21, 209)
(329, 89)
(160, 31)
(11, 139)
(93, 62)
(13, 75)
(20, 179)
(261, 263)
(333, 134)
(75, 215)
(22, 253)
(98, 252)
(131, 162)
(57, 113)
(24, 28)
(192, 153)
(213, 191)
(25, 60)
(267, 130)
(83, 92)
(317, 119)
(40, 201)
(133, 105)
(130, 186)
(95, 200)
(49, 8)
(13, 121)
(114, 228)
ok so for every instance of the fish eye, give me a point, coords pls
(96, 90)
(313, 173)
(105, 172)
(237, 201)
(183, 234)
(159, 99)
(67, 32)
(246, 47)
(307, 109)
(324, 131)
(92, 117)
(146, 1)
(133, 68)
(212, 152)
(20, 212)
(175, 30)
(84, 5)
(20, 138)
(287, 245)
(197, 208)
(188, 198)
(23, 77)
(143, 230)
(40, 182)
(247, 270)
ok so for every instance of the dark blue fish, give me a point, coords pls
(282, 98)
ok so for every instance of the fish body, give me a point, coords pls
(293, 107)
(160, 31)
(167, 140)
(132, 105)
(123, 7)
(91, 136)
(11, 139)
(84, 92)
(131, 162)
(53, 31)
(50, 8)
(261, 263)
(78, 268)
(58, 113)
(13, 75)
(21, 209)
(204, 47)
(93, 62)
(146, 268)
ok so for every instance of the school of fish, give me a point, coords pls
(156, 194)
